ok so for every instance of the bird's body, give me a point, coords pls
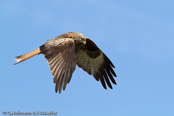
(65, 51)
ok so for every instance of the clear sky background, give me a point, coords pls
(137, 35)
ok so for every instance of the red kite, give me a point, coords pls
(65, 51)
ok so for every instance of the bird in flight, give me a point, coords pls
(65, 51)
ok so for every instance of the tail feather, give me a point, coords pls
(26, 56)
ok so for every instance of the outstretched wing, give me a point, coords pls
(60, 54)
(92, 60)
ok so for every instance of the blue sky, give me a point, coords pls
(141, 46)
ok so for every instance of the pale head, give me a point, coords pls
(80, 38)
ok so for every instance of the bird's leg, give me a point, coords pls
(27, 56)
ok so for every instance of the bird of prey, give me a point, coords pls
(65, 51)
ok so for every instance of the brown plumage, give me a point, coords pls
(65, 51)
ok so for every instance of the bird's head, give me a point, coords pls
(79, 38)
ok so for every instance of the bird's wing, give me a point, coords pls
(92, 60)
(60, 54)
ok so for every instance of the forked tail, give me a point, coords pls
(27, 56)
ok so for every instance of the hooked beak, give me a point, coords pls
(84, 42)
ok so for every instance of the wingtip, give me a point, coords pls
(56, 91)
(110, 87)
(105, 87)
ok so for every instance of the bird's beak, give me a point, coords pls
(84, 42)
